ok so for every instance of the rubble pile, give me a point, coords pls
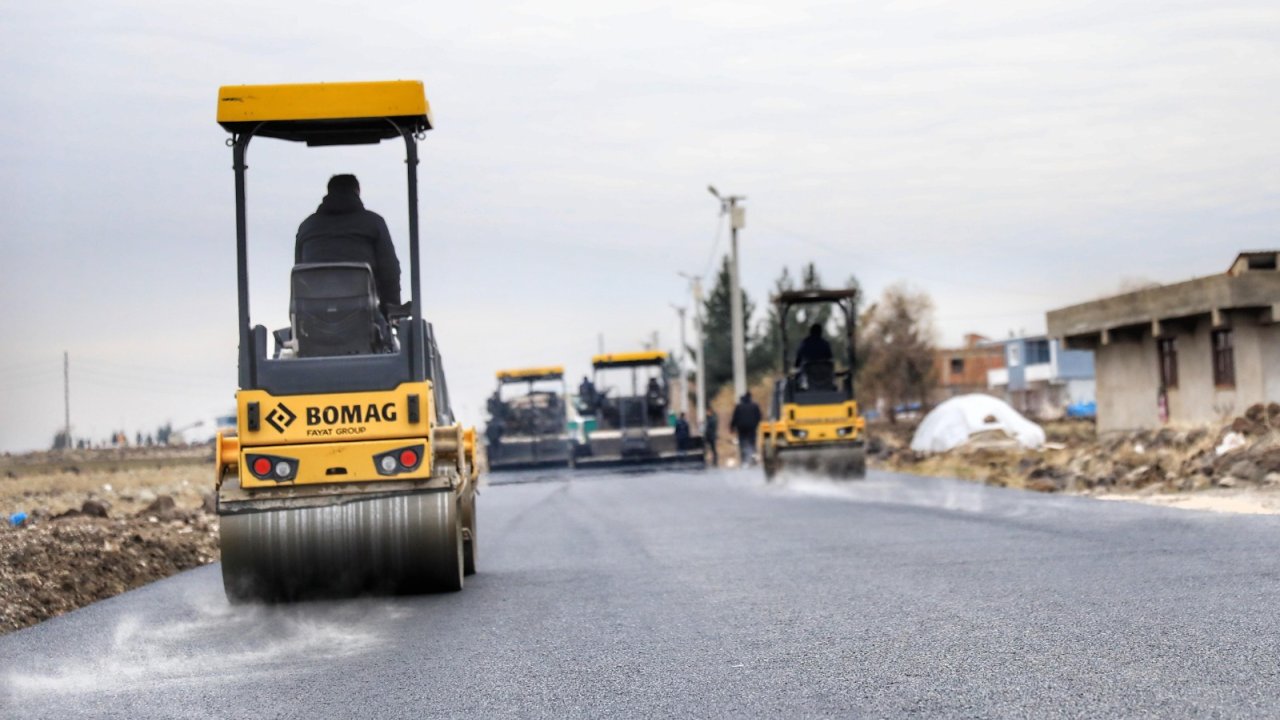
(77, 528)
(1244, 452)
(50, 564)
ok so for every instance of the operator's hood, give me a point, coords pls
(340, 204)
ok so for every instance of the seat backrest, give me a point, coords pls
(819, 375)
(334, 309)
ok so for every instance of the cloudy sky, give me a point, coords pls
(1008, 157)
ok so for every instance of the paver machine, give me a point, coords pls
(813, 424)
(347, 472)
(528, 420)
(632, 424)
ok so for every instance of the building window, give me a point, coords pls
(1224, 361)
(1262, 261)
(1168, 350)
(957, 366)
(1037, 352)
(1015, 355)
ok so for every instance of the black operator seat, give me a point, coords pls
(333, 308)
(819, 375)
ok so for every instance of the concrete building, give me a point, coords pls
(963, 370)
(1191, 353)
(1040, 379)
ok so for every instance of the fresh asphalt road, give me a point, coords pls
(715, 595)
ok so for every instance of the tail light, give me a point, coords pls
(272, 467)
(400, 460)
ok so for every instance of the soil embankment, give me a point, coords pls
(80, 527)
(1232, 468)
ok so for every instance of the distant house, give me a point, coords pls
(1194, 352)
(963, 370)
(1040, 379)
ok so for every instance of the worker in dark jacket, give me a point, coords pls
(682, 432)
(745, 422)
(587, 395)
(341, 230)
(814, 348)
(710, 433)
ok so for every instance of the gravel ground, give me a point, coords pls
(98, 524)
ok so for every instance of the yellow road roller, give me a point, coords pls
(813, 424)
(347, 472)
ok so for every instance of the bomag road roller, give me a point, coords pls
(632, 424)
(813, 424)
(347, 472)
(528, 420)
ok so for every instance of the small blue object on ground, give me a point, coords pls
(17, 518)
(1083, 409)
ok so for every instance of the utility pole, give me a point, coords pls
(684, 375)
(695, 285)
(737, 220)
(66, 400)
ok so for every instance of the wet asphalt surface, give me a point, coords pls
(714, 595)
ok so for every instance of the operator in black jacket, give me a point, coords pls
(341, 230)
(814, 348)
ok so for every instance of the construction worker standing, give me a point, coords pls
(682, 432)
(745, 422)
(710, 434)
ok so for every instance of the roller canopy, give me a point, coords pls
(817, 295)
(326, 113)
(631, 359)
(555, 372)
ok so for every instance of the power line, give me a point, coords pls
(715, 245)
(23, 366)
(909, 272)
(145, 372)
(87, 378)
(189, 381)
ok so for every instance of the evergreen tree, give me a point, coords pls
(717, 315)
(840, 341)
(768, 351)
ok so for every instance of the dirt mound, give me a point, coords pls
(1243, 452)
(53, 566)
(85, 535)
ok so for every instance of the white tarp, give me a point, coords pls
(952, 423)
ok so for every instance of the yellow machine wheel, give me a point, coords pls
(407, 543)
(769, 461)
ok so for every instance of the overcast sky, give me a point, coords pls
(1007, 157)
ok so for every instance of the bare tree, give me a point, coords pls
(897, 340)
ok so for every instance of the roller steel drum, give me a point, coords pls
(836, 462)
(400, 544)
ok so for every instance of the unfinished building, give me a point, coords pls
(1191, 353)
